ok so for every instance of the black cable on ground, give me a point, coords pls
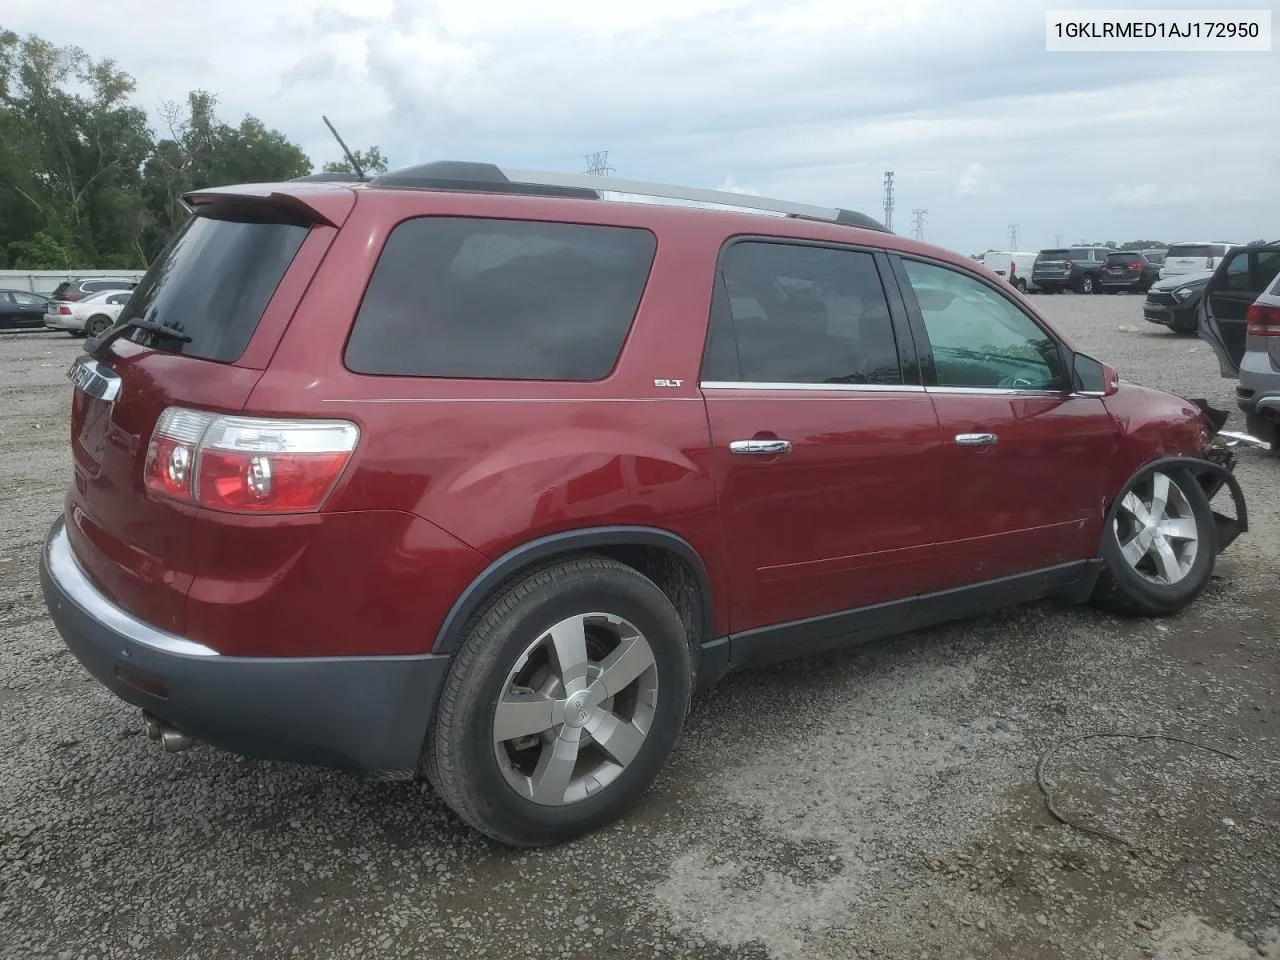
(1098, 831)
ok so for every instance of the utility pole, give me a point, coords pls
(1013, 236)
(918, 216)
(888, 200)
(1057, 239)
(598, 164)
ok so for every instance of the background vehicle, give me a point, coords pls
(1014, 267)
(1128, 271)
(19, 309)
(1154, 257)
(1069, 268)
(1192, 258)
(661, 443)
(1240, 318)
(69, 291)
(90, 316)
(1175, 302)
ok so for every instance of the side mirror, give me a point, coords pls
(1093, 377)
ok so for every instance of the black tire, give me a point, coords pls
(1121, 589)
(1020, 285)
(97, 325)
(460, 755)
(1087, 284)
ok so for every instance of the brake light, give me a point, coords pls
(1135, 266)
(1208, 263)
(247, 464)
(1262, 321)
(65, 311)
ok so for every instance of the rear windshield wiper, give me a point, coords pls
(98, 345)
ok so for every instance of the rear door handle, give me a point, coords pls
(977, 439)
(760, 448)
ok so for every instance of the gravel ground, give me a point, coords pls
(879, 803)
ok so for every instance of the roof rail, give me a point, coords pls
(489, 178)
(331, 178)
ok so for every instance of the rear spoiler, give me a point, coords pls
(327, 203)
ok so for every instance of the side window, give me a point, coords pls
(1237, 273)
(500, 299)
(27, 298)
(980, 339)
(118, 298)
(802, 314)
(93, 286)
(6, 297)
(1268, 267)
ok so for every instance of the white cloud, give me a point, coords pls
(976, 181)
(731, 185)
(775, 91)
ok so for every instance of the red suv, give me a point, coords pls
(476, 474)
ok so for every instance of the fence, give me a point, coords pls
(46, 281)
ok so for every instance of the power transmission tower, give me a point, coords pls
(598, 164)
(1057, 239)
(888, 200)
(918, 217)
(1013, 236)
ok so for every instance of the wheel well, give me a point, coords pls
(674, 577)
(666, 559)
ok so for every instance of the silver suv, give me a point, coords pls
(1240, 318)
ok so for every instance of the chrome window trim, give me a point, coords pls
(71, 579)
(812, 387)
(998, 391)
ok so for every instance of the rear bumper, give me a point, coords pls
(364, 715)
(63, 323)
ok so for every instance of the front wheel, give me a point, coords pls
(562, 704)
(97, 325)
(1159, 550)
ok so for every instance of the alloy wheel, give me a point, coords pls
(1157, 530)
(576, 709)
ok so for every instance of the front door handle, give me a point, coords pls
(760, 448)
(977, 439)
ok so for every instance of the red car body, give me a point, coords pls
(456, 483)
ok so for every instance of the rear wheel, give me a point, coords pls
(97, 325)
(1087, 284)
(1021, 285)
(1159, 550)
(562, 704)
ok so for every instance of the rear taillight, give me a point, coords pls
(1135, 266)
(1262, 321)
(65, 311)
(246, 464)
(1208, 263)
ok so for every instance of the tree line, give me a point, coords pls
(84, 179)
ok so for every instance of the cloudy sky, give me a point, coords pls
(809, 100)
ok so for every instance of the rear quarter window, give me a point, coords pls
(464, 297)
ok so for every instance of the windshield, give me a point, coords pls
(212, 284)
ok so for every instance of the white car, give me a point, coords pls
(1012, 266)
(1193, 258)
(89, 317)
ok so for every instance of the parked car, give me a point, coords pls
(500, 534)
(69, 291)
(1073, 268)
(1154, 257)
(1240, 318)
(1192, 258)
(20, 309)
(1175, 302)
(1014, 267)
(1127, 271)
(88, 317)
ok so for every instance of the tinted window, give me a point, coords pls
(979, 338)
(1124, 258)
(500, 299)
(94, 286)
(1080, 253)
(28, 298)
(117, 298)
(1252, 272)
(1054, 255)
(801, 315)
(1195, 250)
(63, 287)
(213, 282)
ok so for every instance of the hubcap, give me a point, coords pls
(1156, 530)
(576, 709)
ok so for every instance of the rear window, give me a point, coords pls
(1124, 258)
(1197, 250)
(1053, 255)
(213, 282)
(500, 299)
(63, 287)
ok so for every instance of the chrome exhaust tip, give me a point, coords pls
(174, 741)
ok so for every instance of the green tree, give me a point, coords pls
(371, 162)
